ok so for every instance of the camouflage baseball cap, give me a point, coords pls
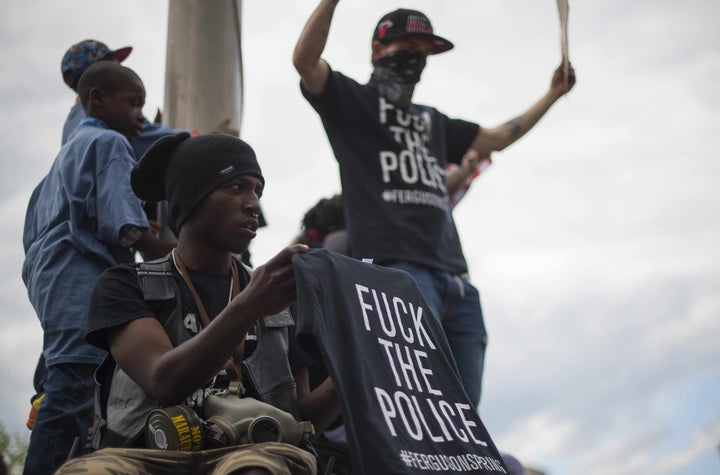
(81, 55)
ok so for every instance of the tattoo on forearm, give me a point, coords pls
(514, 127)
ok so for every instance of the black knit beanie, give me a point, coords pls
(184, 169)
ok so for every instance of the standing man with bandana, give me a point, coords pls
(392, 155)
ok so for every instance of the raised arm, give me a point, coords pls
(497, 138)
(169, 374)
(312, 68)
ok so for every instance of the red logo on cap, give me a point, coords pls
(383, 28)
(418, 24)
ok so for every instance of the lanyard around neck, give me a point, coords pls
(234, 285)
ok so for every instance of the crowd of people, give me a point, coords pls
(129, 339)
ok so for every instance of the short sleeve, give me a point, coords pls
(116, 204)
(116, 299)
(460, 135)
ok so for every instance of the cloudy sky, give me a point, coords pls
(594, 240)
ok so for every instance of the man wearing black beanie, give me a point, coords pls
(196, 325)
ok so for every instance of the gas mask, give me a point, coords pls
(230, 420)
(396, 74)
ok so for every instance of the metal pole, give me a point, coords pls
(203, 76)
(203, 71)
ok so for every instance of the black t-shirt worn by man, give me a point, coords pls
(122, 300)
(392, 170)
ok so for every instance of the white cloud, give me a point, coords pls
(538, 436)
(705, 441)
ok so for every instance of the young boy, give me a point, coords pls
(82, 219)
(75, 62)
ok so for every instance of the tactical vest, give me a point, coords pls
(122, 407)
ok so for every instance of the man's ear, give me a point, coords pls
(378, 50)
